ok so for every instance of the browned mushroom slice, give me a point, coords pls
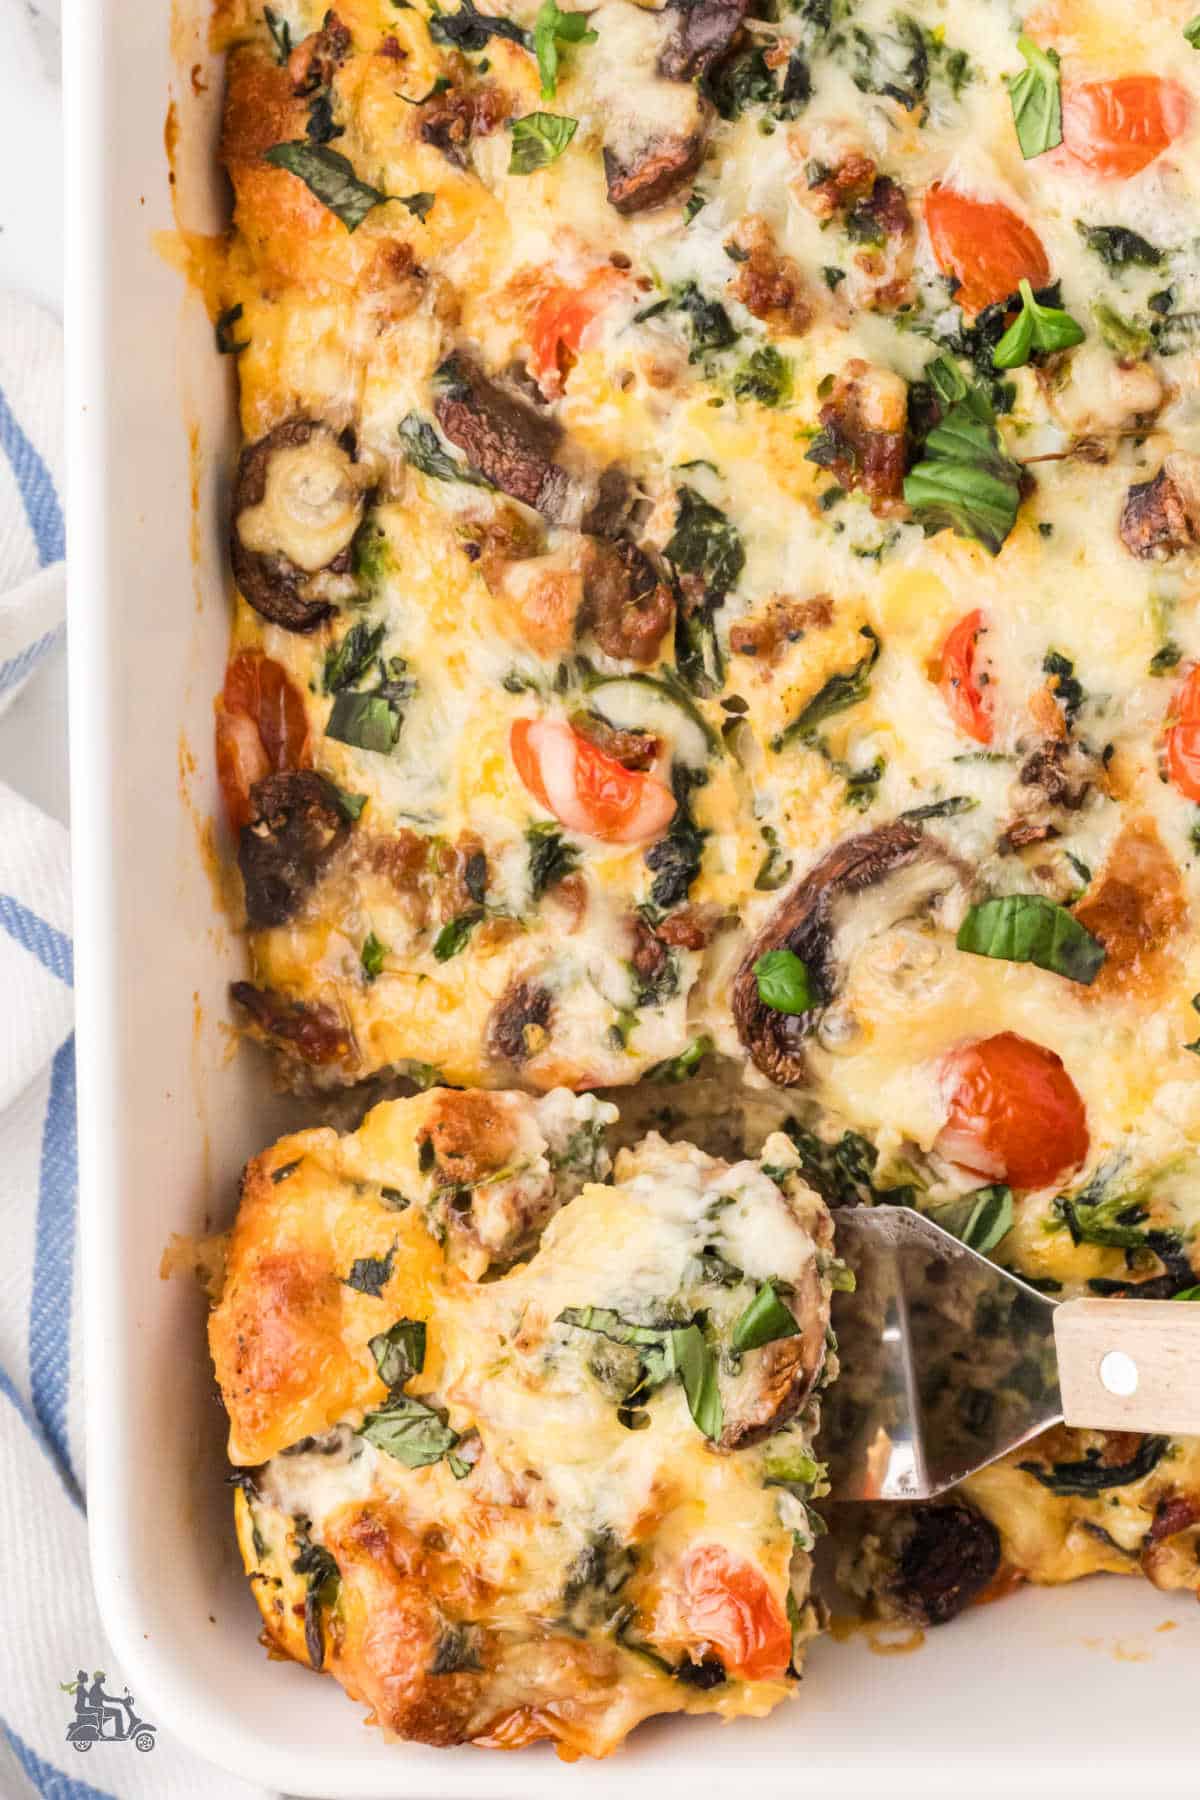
(295, 826)
(948, 1556)
(776, 1380)
(310, 1031)
(500, 436)
(701, 31)
(654, 123)
(297, 502)
(860, 890)
(1162, 517)
(520, 1023)
(626, 607)
(651, 175)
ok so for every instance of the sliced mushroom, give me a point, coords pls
(501, 436)
(860, 890)
(654, 122)
(626, 607)
(776, 1380)
(949, 1555)
(311, 1031)
(298, 501)
(1162, 517)
(519, 1026)
(295, 826)
(701, 32)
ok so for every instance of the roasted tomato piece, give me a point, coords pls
(1014, 1114)
(586, 789)
(964, 681)
(1183, 738)
(262, 729)
(988, 248)
(561, 322)
(728, 1608)
(1116, 128)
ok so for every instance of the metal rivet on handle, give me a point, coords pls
(1119, 1373)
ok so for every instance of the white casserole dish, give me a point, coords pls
(1083, 1686)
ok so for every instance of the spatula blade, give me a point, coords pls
(947, 1362)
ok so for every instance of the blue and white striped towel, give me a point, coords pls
(49, 1627)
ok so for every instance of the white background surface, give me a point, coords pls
(33, 733)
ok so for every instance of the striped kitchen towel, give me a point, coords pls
(32, 534)
(50, 1633)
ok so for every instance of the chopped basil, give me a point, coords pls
(410, 1431)
(711, 326)
(1036, 327)
(1191, 32)
(775, 867)
(368, 721)
(764, 1320)
(894, 63)
(980, 1219)
(1093, 1476)
(281, 33)
(550, 858)
(940, 809)
(454, 934)
(765, 376)
(458, 1647)
(704, 543)
(784, 983)
(227, 343)
(665, 1351)
(323, 1579)
(1118, 247)
(1068, 691)
(841, 691)
(370, 1274)
(349, 805)
(1027, 928)
(675, 859)
(692, 206)
(425, 450)
(349, 659)
(470, 30)
(330, 177)
(372, 956)
(1036, 97)
(1188, 1293)
(538, 140)
(552, 28)
(697, 1369)
(321, 128)
(682, 1067)
(399, 1352)
(965, 483)
(1125, 336)
(420, 204)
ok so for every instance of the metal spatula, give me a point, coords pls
(948, 1362)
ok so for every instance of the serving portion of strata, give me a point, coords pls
(715, 546)
(541, 1503)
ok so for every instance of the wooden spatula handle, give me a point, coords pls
(1129, 1365)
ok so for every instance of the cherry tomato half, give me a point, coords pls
(963, 684)
(559, 325)
(986, 246)
(1183, 738)
(728, 1605)
(586, 789)
(1117, 127)
(1015, 1115)
(262, 729)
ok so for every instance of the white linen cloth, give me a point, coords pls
(49, 1626)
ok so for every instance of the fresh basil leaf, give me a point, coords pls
(330, 177)
(1118, 247)
(980, 1219)
(281, 33)
(349, 805)
(550, 29)
(425, 450)
(784, 983)
(370, 1274)
(421, 205)
(841, 691)
(965, 483)
(1036, 97)
(1027, 928)
(764, 1320)
(550, 858)
(470, 30)
(610, 1324)
(227, 343)
(765, 376)
(1191, 32)
(681, 1067)
(704, 543)
(349, 659)
(454, 934)
(372, 956)
(324, 1579)
(399, 1352)
(368, 721)
(1036, 327)
(1189, 1293)
(538, 140)
(696, 1366)
(410, 1431)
